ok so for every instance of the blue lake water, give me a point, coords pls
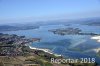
(64, 45)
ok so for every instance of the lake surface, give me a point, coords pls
(71, 46)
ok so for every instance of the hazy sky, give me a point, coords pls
(38, 10)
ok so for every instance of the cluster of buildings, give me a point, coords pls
(13, 45)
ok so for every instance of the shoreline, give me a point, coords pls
(45, 50)
(97, 38)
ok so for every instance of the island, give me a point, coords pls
(70, 31)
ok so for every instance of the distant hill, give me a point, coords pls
(14, 28)
(32, 25)
(7, 27)
(89, 21)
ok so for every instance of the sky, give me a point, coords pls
(17, 11)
